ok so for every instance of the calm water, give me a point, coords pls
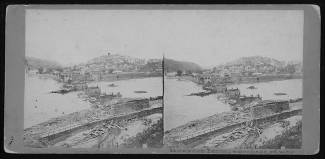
(293, 89)
(41, 105)
(152, 86)
(180, 109)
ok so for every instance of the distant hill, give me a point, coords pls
(264, 65)
(115, 62)
(173, 65)
(256, 60)
(37, 63)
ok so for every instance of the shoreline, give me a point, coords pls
(220, 119)
(246, 80)
(77, 117)
(91, 108)
(199, 124)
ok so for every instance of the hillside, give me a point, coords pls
(256, 60)
(262, 65)
(36, 63)
(173, 65)
(115, 59)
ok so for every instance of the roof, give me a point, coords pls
(93, 87)
(233, 89)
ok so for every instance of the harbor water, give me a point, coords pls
(180, 109)
(40, 105)
(292, 89)
(151, 87)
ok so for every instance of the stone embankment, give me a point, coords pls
(74, 127)
(198, 131)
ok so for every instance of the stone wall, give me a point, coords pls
(129, 106)
(269, 109)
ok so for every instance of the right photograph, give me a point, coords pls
(233, 79)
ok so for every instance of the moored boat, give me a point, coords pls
(280, 94)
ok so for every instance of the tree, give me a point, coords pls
(179, 72)
(199, 71)
(290, 69)
(214, 69)
(59, 69)
(110, 70)
(40, 70)
(189, 72)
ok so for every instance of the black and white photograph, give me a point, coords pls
(162, 79)
(234, 80)
(91, 81)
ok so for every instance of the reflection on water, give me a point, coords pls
(180, 109)
(151, 86)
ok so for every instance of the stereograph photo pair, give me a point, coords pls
(162, 79)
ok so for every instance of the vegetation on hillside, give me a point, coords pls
(184, 66)
(37, 63)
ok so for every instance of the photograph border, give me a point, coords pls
(14, 78)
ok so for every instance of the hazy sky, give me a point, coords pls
(207, 37)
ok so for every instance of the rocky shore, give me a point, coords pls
(223, 130)
(34, 136)
(232, 137)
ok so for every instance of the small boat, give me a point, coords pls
(62, 91)
(280, 94)
(201, 94)
(251, 87)
(112, 85)
(140, 91)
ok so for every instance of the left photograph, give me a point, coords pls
(92, 80)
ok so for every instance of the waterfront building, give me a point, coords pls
(232, 93)
(96, 75)
(116, 72)
(76, 76)
(171, 74)
(33, 71)
(79, 85)
(216, 87)
(93, 91)
(65, 77)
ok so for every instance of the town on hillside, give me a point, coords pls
(122, 108)
(256, 112)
